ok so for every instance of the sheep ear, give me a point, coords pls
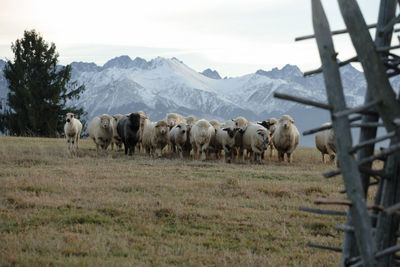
(292, 121)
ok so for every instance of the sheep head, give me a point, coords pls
(286, 121)
(135, 120)
(70, 117)
(105, 121)
(263, 136)
(162, 127)
(241, 124)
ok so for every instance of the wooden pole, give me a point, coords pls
(378, 88)
(341, 126)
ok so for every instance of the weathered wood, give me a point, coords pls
(357, 109)
(342, 63)
(378, 84)
(301, 38)
(387, 48)
(344, 228)
(327, 127)
(332, 173)
(367, 125)
(389, 26)
(371, 142)
(370, 184)
(392, 209)
(373, 173)
(325, 212)
(314, 245)
(302, 100)
(341, 126)
(385, 152)
(380, 254)
(324, 201)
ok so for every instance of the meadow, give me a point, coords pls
(112, 210)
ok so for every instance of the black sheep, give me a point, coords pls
(128, 128)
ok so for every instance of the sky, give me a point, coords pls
(234, 37)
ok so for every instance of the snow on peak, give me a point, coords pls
(123, 62)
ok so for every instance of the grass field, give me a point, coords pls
(111, 210)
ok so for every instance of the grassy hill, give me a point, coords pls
(108, 209)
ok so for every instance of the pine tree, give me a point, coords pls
(39, 89)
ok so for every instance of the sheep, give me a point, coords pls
(177, 137)
(212, 146)
(190, 120)
(200, 136)
(116, 139)
(155, 137)
(225, 138)
(255, 139)
(173, 119)
(324, 141)
(286, 137)
(143, 117)
(271, 125)
(240, 123)
(101, 132)
(72, 131)
(129, 129)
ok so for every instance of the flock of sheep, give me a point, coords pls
(189, 137)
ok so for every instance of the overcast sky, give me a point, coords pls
(233, 37)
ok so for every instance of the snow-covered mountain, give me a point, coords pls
(163, 85)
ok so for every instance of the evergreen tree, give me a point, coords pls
(39, 89)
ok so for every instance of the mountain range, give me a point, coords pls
(162, 85)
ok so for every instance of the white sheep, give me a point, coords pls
(324, 141)
(173, 119)
(101, 131)
(143, 117)
(155, 137)
(116, 139)
(178, 137)
(255, 140)
(190, 120)
(72, 131)
(241, 124)
(200, 136)
(286, 137)
(225, 138)
(212, 146)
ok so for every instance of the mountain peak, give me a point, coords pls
(283, 73)
(123, 62)
(213, 74)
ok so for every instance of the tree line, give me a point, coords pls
(39, 89)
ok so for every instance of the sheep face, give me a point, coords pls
(135, 120)
(70, 117)
(263, 137)
(105, 122)
(241, 124)
(182, 128)
(286, 121)
(231, 132)
(161, 127)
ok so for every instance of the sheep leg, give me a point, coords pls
(228, 154)
(323, 157)
(288, 157)
(280, 156)
(77, 141)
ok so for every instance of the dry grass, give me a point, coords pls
(109, 209)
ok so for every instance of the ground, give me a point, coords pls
(109, 209)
